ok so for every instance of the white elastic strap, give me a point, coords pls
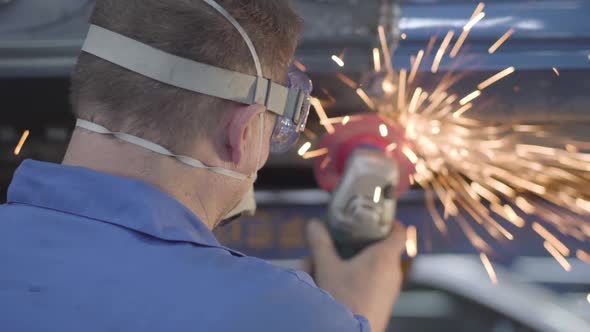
(93, 127)
(242, 32)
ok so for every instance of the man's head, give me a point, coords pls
(181, 120)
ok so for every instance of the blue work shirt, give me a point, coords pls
(87, 251)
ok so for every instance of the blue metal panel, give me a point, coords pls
(547, 33)
(277, 232)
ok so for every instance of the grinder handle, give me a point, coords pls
(346, 247)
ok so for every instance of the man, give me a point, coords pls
(167, 146)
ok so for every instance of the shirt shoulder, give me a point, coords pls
(288, 300)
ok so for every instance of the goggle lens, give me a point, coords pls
(286, 132)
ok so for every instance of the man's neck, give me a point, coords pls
(108, 155)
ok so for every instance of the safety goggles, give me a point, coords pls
(286, 131)
(291, 104)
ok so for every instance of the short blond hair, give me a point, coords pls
(128, 102)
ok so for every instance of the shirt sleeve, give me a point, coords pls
(364, 323)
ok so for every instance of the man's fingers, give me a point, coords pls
(320, 244)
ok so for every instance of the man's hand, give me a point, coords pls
(369, 283)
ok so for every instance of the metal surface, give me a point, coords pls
(547, 33)
(466, 277)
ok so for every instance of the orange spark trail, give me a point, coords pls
(501, 41)
(489, 268)
(474, 21)
(401, 100)
(300, 66)
(441, 51)
(462, 110)
(21, 142)
(317, 105)
(315, 154)
(470, 97)
(496, 78)
(347, 80)
(365, 98)
(416, 66)
(377, 60)
(544, 233)
(558, 257)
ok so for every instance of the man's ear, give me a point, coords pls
(243, 120)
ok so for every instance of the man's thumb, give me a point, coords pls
(320, 243)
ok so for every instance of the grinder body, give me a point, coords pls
(363, 204)
(366, 176)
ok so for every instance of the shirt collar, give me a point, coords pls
(102, 197)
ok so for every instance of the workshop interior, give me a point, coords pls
(467, 121)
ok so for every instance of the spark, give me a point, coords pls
(383, 130)
(385, 48)
(21, 142)
(470, 97)
(387, 86)
(317, 105)
(479, 8)
(545, 234)
(583, 256)
(304, 148)
(556, 71)
(300, 66)
(365, 98)
(524, 205)
(501, 41)
(315, 154)
(377, 60)
(474, 21)
(377, 195)
(325, 163)
(441, 51)
(513, 217)
(401, 100)
(459, 44)
(558, 257)
(410, 154)
(414, 101)
(345, 120)
(462, 110)
(412, 241)
(496, 78)
(489, 268)
(416, 65)
(347, 80)
(525, 149)
(391, 147)
(483, 192)
(404, 36)
(338, 60)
